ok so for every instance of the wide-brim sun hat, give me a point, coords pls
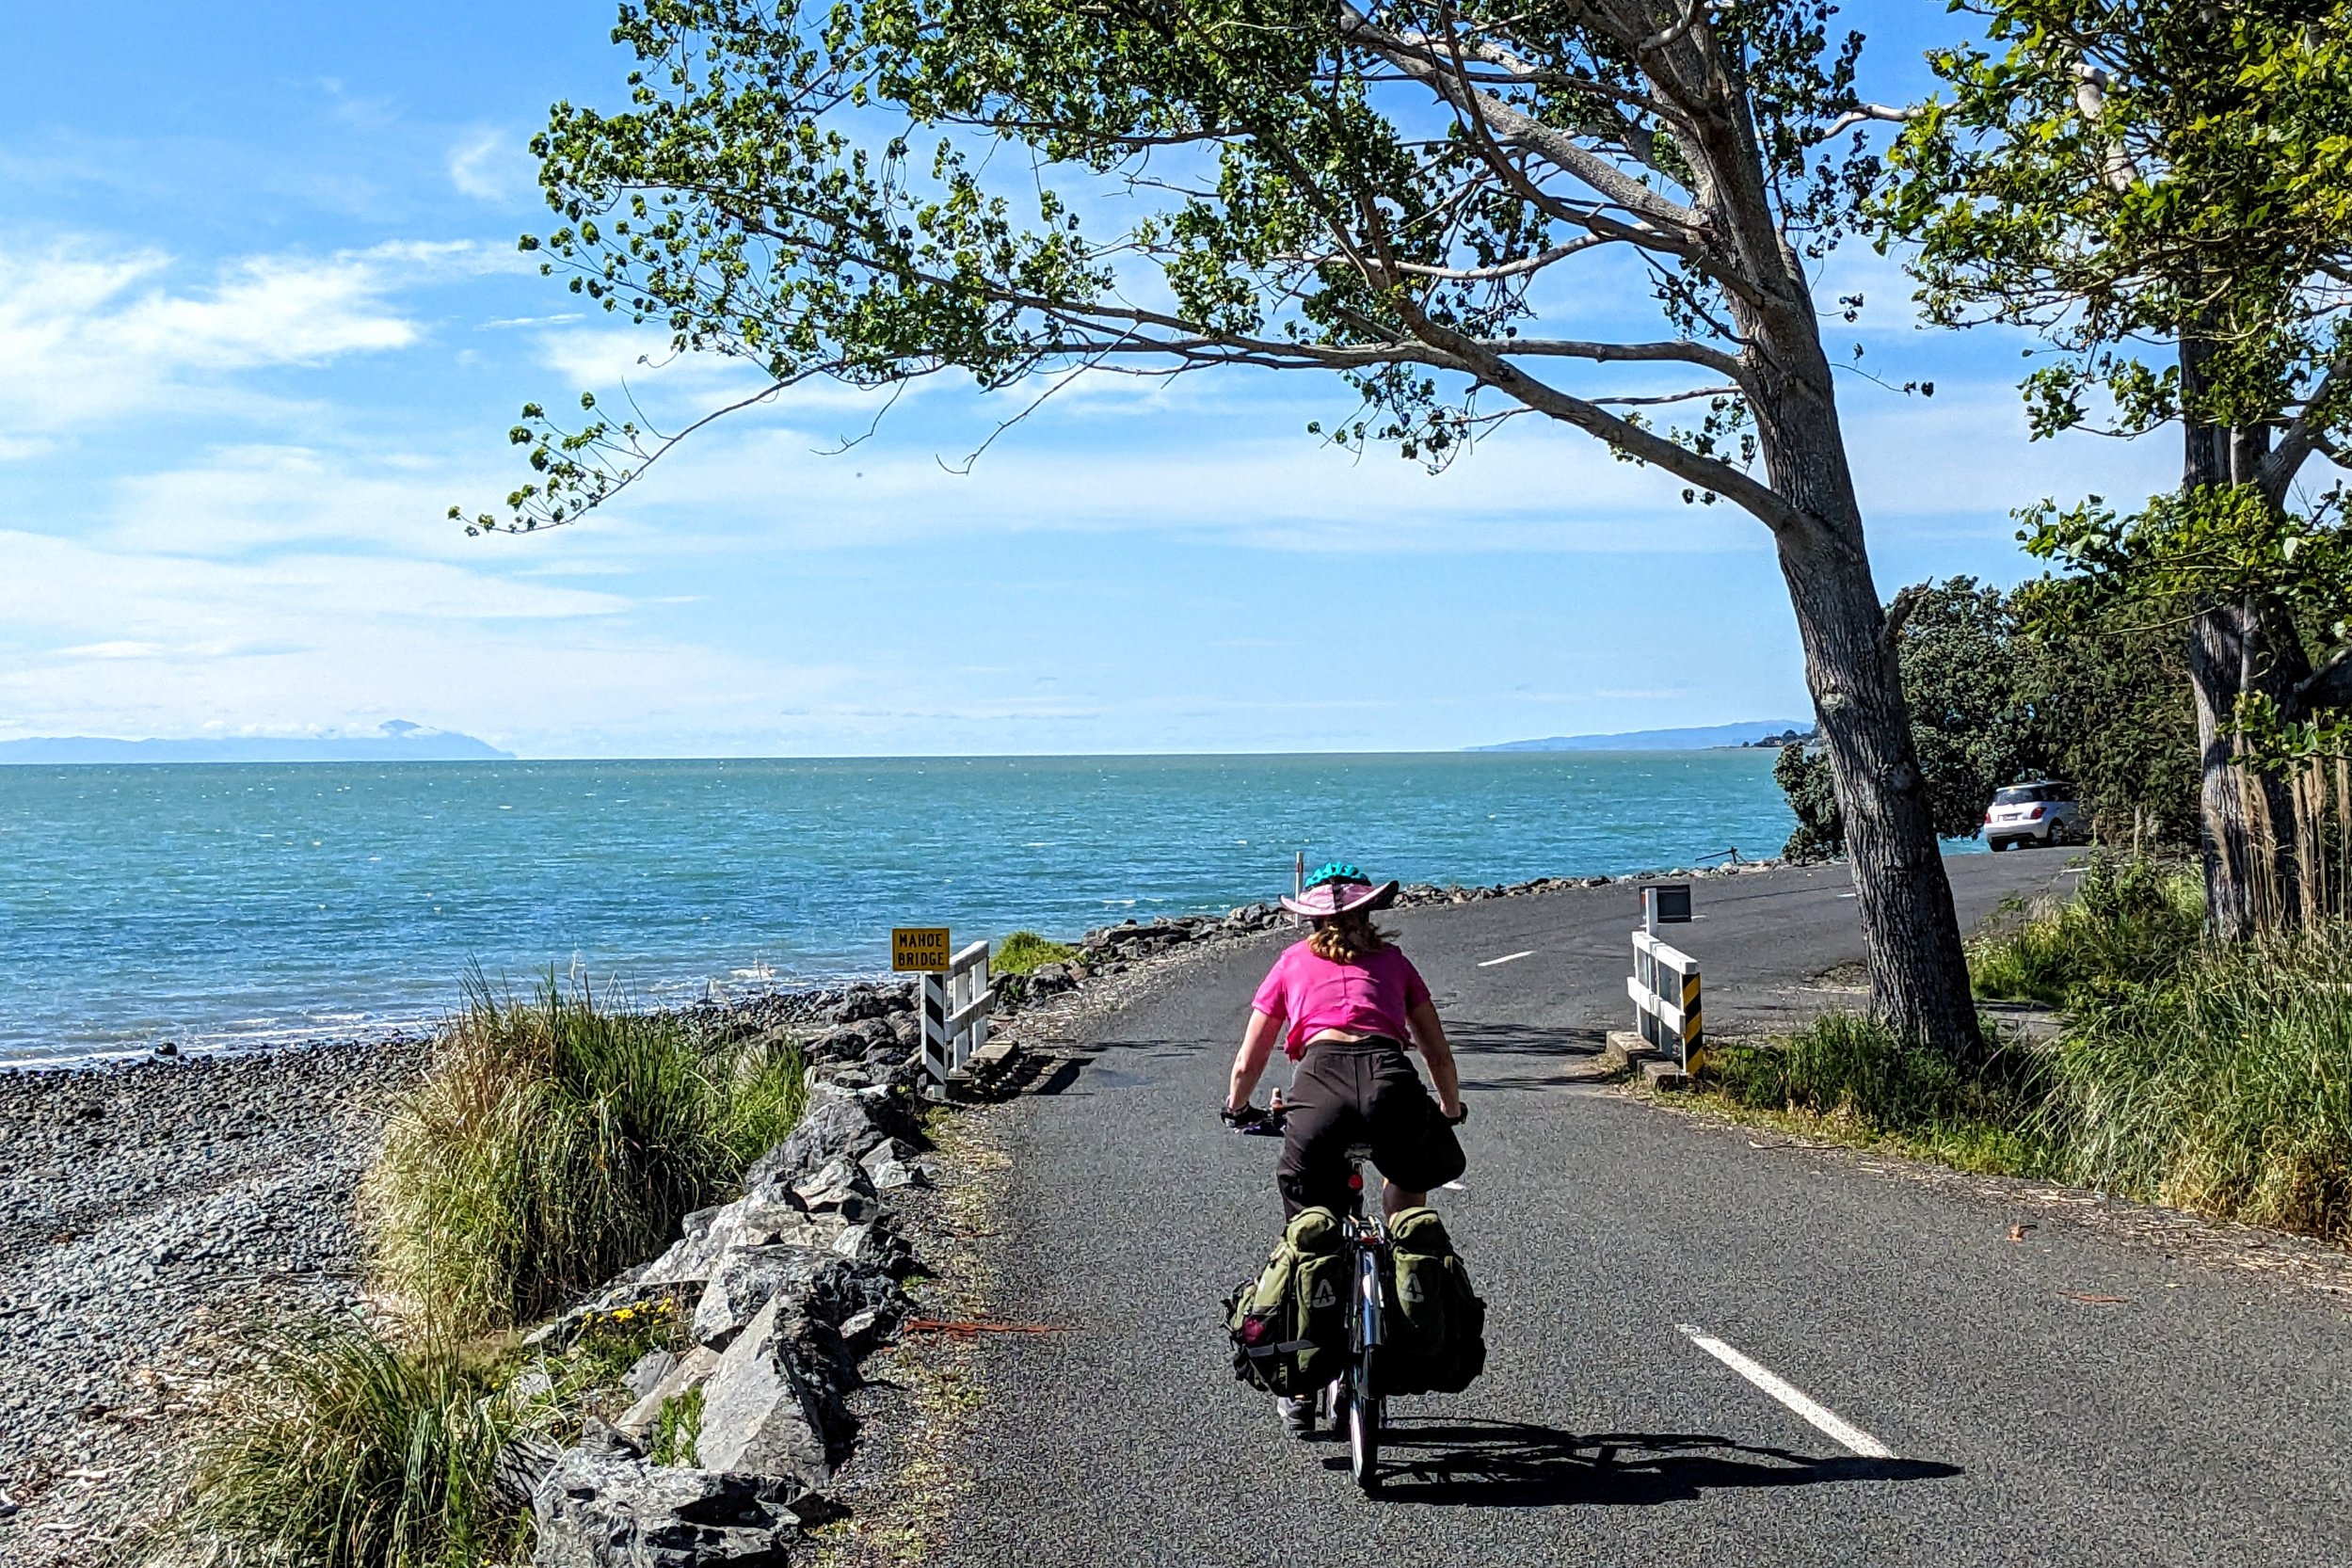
(1338, 889)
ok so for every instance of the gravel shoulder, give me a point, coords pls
(143, 1208)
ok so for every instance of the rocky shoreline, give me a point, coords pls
(147, 1206)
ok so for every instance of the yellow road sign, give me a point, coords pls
(921, 947)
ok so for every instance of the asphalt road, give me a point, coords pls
(2179, 1414)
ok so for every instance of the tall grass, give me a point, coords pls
(2226, 1087)
(343, 1449)
(555, 1142)
(2132, 917)
(1849, 1074)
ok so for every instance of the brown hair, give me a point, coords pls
(1346, 938)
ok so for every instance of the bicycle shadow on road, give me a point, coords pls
(1474, 1463)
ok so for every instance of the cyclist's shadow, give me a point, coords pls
(1481, 1463)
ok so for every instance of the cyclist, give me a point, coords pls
(1344, 1003)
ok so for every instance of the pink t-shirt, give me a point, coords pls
(1312, 994)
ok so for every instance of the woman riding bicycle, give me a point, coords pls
(1346, 1003)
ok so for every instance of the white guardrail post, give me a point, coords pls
(1666, 999)
(956, 1009)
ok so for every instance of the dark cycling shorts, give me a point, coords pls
(1361, 1092)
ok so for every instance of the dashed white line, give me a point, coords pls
(1839, 1429)
(1506, 959)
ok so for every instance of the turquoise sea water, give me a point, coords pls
(222, 904)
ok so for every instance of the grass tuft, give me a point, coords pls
(2225, 1087)
(2132, 917)
(343, 1449)
(1025, 951)
(555, 1142)
(1847, 1078)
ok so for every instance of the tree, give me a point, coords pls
(2046, 682)
(1386, 192)
(2128, 174)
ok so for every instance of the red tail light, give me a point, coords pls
(1356, 1181)
(2034, 815)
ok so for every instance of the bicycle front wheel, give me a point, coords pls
(1364, 1418)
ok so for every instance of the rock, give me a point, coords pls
(862, 1331)
(1049, 980)
(167, 1048)
(894, 1176)
(843, 1187)
(761, 1220)
(843, 1127)
(647, 1375)
(876, 1246)
(889, 1150)
(745, 1280)
(689, 1371)
(857, 1006)
(598, 1511)
(775, 1403)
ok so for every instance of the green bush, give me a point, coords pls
(1025, 951)
(343, 1449)
(554, 1143)
(2225, 1087)
(2132, 919)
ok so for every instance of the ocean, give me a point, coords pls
(222, 905)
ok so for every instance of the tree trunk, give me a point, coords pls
(2217, 647)
(2246, 826)
(1918, 970)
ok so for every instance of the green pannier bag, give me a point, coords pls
(1436, 1323)
(1289, 1325)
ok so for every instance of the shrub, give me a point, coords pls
(2225, 1087)
(2132, 919)
(343, 1449)
(555, 1142)
(1025, 951)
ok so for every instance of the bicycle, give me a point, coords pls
(1353, 1401)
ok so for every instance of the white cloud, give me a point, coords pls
(91, 335)
(485, 165)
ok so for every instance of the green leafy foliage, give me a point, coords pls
(554, 1141)
(882, 190)
(2030, 684)
(2117, 174)
(1024, 951)
(677, 1429)
(342, 1448)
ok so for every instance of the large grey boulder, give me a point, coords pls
(610, 1510)
(745, 1280)
(840, 1187)
(836, 1127)
(763, 1218)
(776, 1402)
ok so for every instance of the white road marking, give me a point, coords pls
(1456, 1187)
(1506, 959)
(1844, 1433)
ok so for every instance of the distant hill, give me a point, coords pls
(1665, 740)
(396, 741)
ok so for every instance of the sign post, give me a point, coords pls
(1665, 984)
(925, 950)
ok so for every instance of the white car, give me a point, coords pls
(2044, 812)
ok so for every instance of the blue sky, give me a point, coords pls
(263, 322)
